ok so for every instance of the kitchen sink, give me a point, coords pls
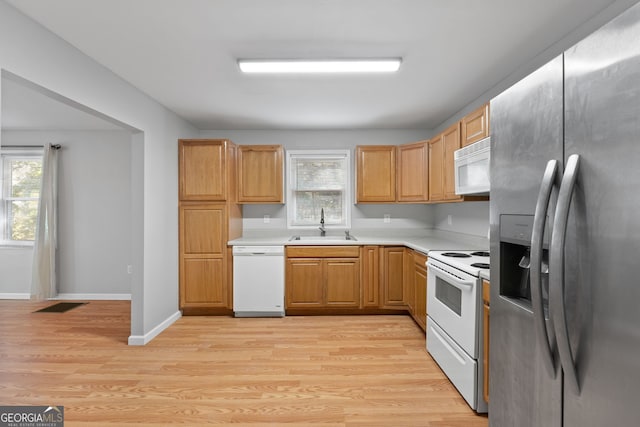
(323, 238)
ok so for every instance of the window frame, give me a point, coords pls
(345, 156)
(6, 155)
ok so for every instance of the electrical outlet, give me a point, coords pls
(266, 219)
(449, 219)
(129, 269)
(387, 219)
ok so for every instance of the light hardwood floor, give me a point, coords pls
(300, 371)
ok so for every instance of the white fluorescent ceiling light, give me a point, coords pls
(320, 66)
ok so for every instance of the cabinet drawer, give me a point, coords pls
(323, 251)
(419, 258)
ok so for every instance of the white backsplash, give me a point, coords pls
(470, 218)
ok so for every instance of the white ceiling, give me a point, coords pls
(183, 53)
(24, 108)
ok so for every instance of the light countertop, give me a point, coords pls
(422, 240)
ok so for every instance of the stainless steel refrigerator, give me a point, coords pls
(565, 238)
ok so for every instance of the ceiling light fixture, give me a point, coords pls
(320, 66)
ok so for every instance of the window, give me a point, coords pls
(318, 180)
(21, 173)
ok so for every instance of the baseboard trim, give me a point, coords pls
(14, 296)
(144, 339)
(113, 297)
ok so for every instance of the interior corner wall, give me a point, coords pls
(94, 211)
(31, 52)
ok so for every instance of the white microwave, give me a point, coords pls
(472, 168)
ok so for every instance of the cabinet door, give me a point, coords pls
(202, 230)
(304, 283)
(475, 125)
(202, 253)
(376, 173)
(393, 277)
(342, 282)
(451, 141)
(370, 276)
(202, 169)
(420, 286)
(413, 176)
(436, 165)
(202, 283)
(260, 174)
(409, 288)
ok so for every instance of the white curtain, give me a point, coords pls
(43, 278)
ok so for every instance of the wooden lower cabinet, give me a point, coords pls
(485, 338)
(357, 279)
(342, 282)
(392, 277)
(416, 286)
(370, 275)
(202, 277)
(203, 256)
(323, 277)
(305, 284)
(420, 287)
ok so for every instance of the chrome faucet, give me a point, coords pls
(321, 228)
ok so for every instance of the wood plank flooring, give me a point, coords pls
(302, 371)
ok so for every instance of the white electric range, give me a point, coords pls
(454, 320)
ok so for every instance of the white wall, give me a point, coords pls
(467, 217)
(94, 213)
(30, 51)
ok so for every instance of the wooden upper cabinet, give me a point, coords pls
(376, 173)
(413, 172)
(436, 168)
(451, 141)
(203, 169)
(475, 125)
(441, 165)
(260, 174)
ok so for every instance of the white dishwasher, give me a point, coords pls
(258, 281)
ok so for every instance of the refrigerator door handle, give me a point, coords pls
(556, 271)
(537, 237)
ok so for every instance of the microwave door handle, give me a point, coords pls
(464, 285)
(537, 237)
(556, 271)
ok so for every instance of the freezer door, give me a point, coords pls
(526, 122)
(602, 290)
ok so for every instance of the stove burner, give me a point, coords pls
(456, 255)
(480, 253)
(480, 265)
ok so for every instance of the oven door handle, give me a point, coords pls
(464, 285)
